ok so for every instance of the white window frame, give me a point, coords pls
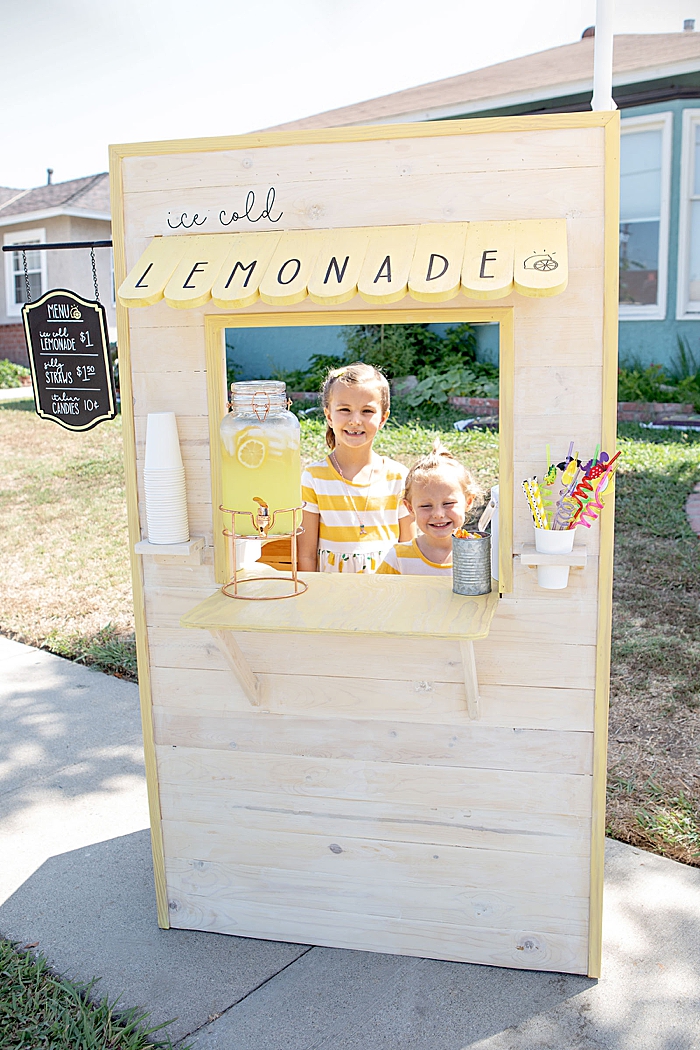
(654, 122)
(691, 117)
(13, 309)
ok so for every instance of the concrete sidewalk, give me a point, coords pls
(16, 393)
(76, 877)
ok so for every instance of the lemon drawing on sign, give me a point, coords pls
(251, 453)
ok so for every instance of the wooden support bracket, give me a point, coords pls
(230, 650)
(531, 557)
(471, 683)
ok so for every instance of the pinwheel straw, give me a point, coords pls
(588, 496)
(532, 492)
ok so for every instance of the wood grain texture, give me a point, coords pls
(563, 952)
(240, 165)
(607, 526)
(231, 885)
(230, 650)
(471, 681)
(534, 796)
(392, 606)
(377, 819)
(467, 746)
(212, 689)
(132, 506)
(464, 820)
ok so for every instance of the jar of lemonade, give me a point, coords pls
(260, 455)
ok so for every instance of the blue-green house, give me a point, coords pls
(656, 85)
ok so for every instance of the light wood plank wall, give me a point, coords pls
(360, 806)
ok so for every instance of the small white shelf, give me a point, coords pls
(532, 558)
(174, 552)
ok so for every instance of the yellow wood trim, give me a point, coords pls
(607, 530)
(217, 396)
(215, 324)
(363, 133)
(506, 402)
(129, 445)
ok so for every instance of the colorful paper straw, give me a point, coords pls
(532, 492)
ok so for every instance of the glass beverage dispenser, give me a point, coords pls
(260, 455)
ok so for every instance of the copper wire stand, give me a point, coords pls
(263, 521)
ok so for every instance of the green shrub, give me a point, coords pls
(678, 384)
(444, 364)
(479, 380)
(11, 374)
(410, 349)
(310, 378)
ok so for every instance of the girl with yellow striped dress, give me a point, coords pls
(354, 511)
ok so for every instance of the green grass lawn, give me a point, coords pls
(64, 585)
(41, 1011)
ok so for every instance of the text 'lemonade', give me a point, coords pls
(260, 455)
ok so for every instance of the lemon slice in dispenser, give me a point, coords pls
(251, 453)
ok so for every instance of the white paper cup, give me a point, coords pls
(554, 541)
(162, 444)
(171, 535)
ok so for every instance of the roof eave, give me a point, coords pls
(53, 213)
(493, 102)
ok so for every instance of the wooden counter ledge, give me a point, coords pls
(406, 606)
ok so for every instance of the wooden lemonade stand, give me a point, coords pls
(377, 763)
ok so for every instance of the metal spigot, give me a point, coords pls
(263, 521)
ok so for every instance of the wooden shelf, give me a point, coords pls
(531, 557)
(189, 553)
(404, 606)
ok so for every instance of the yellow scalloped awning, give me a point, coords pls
(381, 264)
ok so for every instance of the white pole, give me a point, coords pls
(603, 56)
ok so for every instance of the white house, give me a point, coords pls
(77, 210)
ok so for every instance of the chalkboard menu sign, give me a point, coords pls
(69, 356)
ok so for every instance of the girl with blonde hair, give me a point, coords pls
(439, 493)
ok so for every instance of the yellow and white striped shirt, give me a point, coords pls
(344, 507)
(405, 559)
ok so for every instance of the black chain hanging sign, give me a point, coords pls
(68, 343)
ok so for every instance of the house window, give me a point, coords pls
(19, 282)
(15, 283)
(689, 222)
(644, 194)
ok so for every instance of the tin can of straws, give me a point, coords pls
(471, 564)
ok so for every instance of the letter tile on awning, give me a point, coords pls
(540, 264)
(487, 268)
(192, 278)
(437, 262)
(338, 266)
(238, 283)
(432, 263)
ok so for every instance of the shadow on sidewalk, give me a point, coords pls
(92, 911)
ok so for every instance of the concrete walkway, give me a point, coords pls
(76, 878)
(16, 393)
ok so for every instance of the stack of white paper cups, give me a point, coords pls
(164, 481)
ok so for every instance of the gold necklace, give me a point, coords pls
(363, 530)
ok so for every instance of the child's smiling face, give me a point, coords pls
(440, 507)
(355, 414)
